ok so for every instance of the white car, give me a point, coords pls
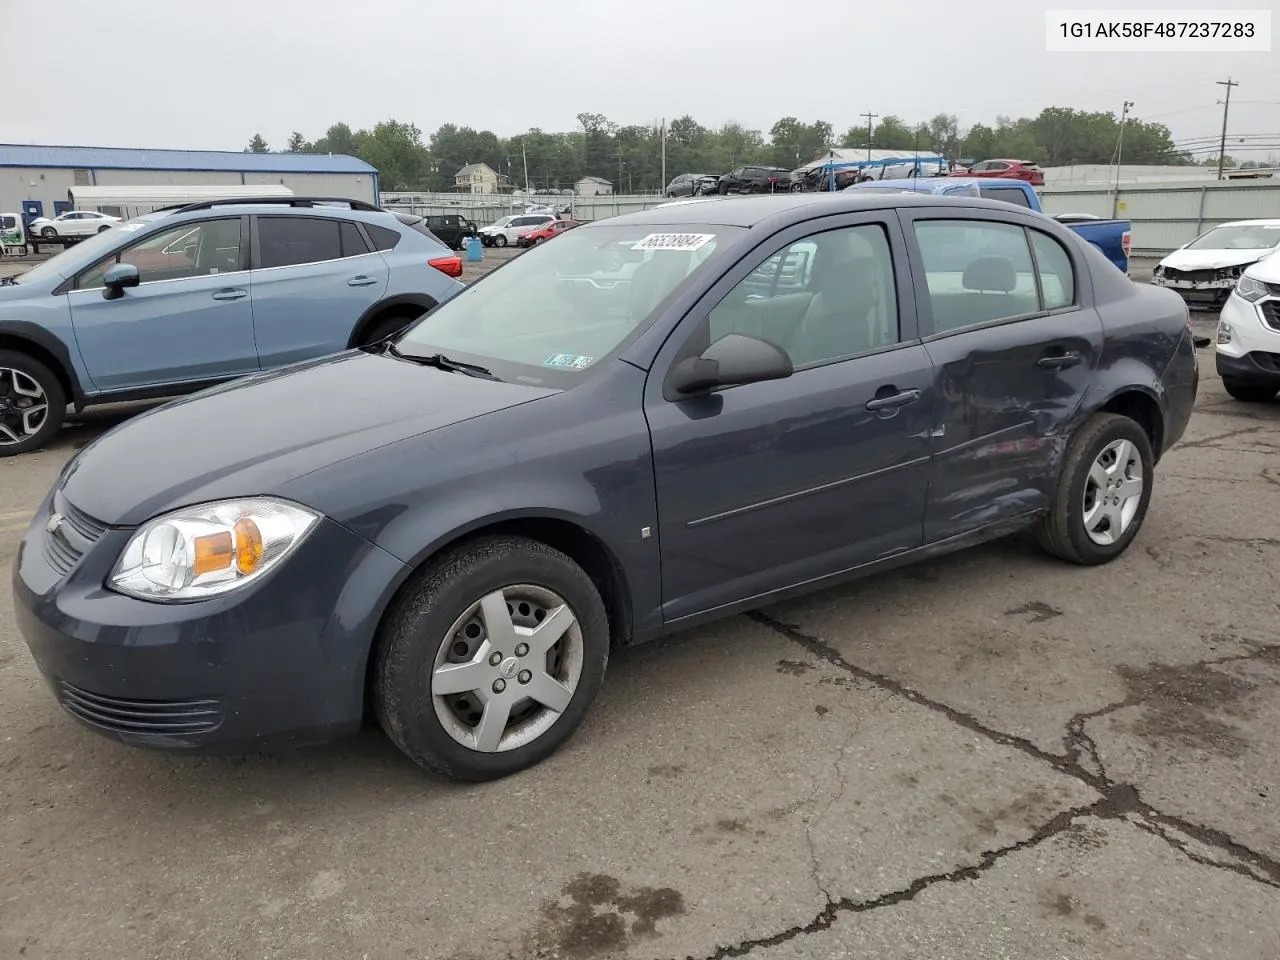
(510, 229)
(1248, 351)
(73, 223)
(1205, 270)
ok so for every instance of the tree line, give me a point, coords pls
(630, 156)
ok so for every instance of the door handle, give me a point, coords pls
(230, 294)
(361, 281)
(1059, 361)
(892, 401)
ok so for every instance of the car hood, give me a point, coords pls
(253, 435)
(1213, 259)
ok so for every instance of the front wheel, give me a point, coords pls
(1102, 494)
(48, 232)
(500, 240)
(1248, 392)
(33, 404)
(491, 658)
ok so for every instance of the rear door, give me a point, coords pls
(189, 320)
(313, 278)
(1015, 344)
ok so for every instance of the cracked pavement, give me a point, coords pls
(988, 755)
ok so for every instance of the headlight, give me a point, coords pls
(207, 550)
(1250, 289)
(1224, 332)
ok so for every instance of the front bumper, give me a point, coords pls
(1252, 350)
(279, 664)
(1211, 293)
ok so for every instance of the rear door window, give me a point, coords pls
(1006, 195)
(977, 272)
(292, 241)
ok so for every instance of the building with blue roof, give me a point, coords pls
(39, 179)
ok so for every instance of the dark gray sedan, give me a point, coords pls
(657, 420)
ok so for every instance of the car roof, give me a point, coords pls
(748, 211)
(1262, 222)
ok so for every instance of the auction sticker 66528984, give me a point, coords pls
(673, 241)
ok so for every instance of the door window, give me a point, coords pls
(292, 241)
(191, 250)
(828, 297)
(976, 271)
(1057, 277)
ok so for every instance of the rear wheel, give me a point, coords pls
(1102, 494)
(491, 658)
(103, 229)
(1248, 392)
(32, 404)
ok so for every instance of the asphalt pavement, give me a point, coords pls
(991, 755)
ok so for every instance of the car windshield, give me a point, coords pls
(551, 316)
(1251, 236)
(88, 250)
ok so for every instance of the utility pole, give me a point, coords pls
(525, 157)
(1115, 194)
(664, 155)
(870, 117)
(1226, 105)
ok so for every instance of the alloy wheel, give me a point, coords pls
(1113, 492)
(24, 407)
(507, 669)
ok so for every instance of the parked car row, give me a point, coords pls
(449, 529)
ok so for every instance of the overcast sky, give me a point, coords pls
(155, 73)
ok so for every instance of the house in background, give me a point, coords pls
(476, 178)
(593, 187)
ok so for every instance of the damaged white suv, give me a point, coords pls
(1205, 270)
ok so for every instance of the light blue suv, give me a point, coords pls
(180, 299)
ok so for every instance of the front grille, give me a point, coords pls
(163, 717)
(70, 539)
(1271, 313)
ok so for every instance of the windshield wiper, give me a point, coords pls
(441, 362)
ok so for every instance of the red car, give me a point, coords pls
(552, 229)
(1010, 169)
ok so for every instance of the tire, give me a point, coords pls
(1248, 392)
(428, 630)
(385, 327)
(1063, 531)
(103, 229)
(500, 240)
(797, 187)
(17, 399)
(48, 232)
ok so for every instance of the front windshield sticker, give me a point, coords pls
(568, 361)
(674, 241)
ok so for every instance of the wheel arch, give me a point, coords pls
(38, 343)
(556, 530)
(401, 303)
(1141, 406)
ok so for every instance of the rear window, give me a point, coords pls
(1006, 195)
(8, 223)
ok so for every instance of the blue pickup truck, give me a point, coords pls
(1109, 236)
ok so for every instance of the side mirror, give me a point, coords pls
(117, 278)
(732, 360)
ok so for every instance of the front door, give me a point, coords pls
(769, 485)
(313, 279)
(1015, 350)
(190, 320)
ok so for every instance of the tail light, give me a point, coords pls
(1126, 242)
(449, 266)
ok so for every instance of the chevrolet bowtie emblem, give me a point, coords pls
(54, 523)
